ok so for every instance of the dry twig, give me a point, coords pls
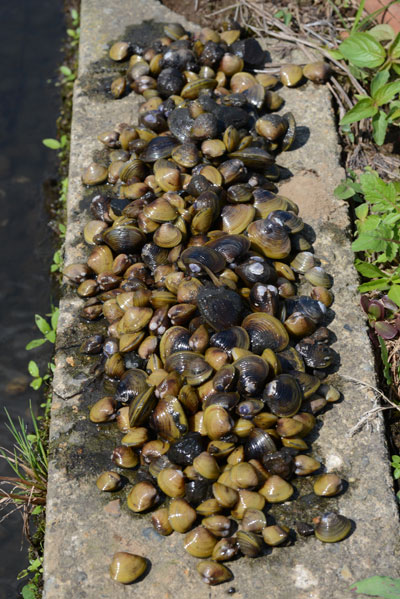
(368, 416)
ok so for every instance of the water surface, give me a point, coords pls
(31, 33)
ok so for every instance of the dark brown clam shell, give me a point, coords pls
(283, 395)
(124, 238)
(159, 147)
(231, 247)
(221, 308)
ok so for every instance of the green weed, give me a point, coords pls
(47, 328)
(377, 230)
(28, 460)
(376, 50)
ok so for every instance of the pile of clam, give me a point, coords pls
(215, 361)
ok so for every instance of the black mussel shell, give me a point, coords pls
(186, 449)
(221, 308)
(315, 355)
(256, 270)
(280, 462)
(307, 306)
(180, 123)
(283, 395)
(153, 256)
(197, 258)
(264, 298)
(258, 443)
(197, 490)
(179, 58)
(133, 360)
(230, 338)
(132, 382)
(250, 50)
(159, 147)
(205, 126)
(198, 185)
(253, 372)
(289, 220)
(265, 332)
(170, 82)
(304, 529)
(225, 378)
(212, 54)
(153, 120)
(92, 345)
(99, 206)
(290, 359)
(231, 115)
(118, 204)
(231, 247)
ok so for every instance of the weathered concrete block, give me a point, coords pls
(85, 527)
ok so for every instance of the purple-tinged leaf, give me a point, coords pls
(364, 302)
(385, 329)
(396, 323)
(388, 303)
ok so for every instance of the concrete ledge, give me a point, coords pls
(85, 528)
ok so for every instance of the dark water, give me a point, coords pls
(30, 33)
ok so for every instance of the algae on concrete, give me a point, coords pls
(85, 527)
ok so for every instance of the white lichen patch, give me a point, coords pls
(303, 578)
(333, 462)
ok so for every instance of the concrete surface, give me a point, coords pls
(85, 527)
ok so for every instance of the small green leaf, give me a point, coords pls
(362, 211)
(42, 324)
(35, 565)
(380, 284)
(344, 191)
(36, 383)
(394, 294)
(369, 270)
(382, 32)
(62, 228)
(28, 591)
(394, 114)
(65, 70)
(53, 144)
(37, 510)
(35, 343)
(394, 48)
(387, 93)
(378, 81)
(54, 318)
(369, 241)
(362, 110)
(33, 368)
(362, 50)
(378, 586)
(335, 54)
(51, 336)
(379, 127)
(74, 13)
(386, 365)
(396, 68)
